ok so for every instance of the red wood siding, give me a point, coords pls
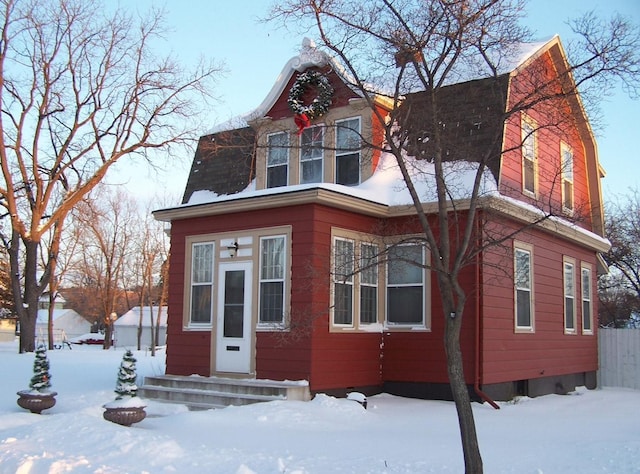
(341, 95)
(553, 127)
(548, 351)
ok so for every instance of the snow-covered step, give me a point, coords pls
(214, 392)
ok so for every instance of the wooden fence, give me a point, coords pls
(619, 358)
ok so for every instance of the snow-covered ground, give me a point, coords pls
(585, 432)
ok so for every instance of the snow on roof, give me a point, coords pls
(386, 186)
(310, 56)
(43, 314)
(132, 317)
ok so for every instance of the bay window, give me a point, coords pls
(405, 285)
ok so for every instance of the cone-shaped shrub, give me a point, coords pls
(126, 385)
(41, 380)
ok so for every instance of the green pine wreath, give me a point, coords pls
(320, 104)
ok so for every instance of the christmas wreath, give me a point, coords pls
(318, 106)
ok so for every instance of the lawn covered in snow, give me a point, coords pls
(585, 432)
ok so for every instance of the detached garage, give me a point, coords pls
(126, 327)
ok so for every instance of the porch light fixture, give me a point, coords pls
(233, 249)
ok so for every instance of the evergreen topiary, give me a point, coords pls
(126, 385)
(41, 380)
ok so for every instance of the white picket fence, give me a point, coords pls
(619, 358)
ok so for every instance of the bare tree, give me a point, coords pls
(79, 89)
(410, 46)
(106, 220)
(6, 299)
(619, 292)
(151, 251)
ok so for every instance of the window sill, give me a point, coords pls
(198, 327)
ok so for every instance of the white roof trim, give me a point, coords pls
(309, 56)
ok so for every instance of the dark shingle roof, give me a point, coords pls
(470, 117)
(223, 163)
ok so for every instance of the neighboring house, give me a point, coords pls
(67, 325)
(126, 327)
(7, 329)
(275, 219)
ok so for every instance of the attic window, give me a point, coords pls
(529, 151)
(277, 159)
(311, 155)
(567, 177)
(348, 152)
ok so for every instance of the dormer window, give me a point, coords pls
(277, 159)
(348, 151)
(311, 154)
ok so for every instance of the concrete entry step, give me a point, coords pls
(199, 392)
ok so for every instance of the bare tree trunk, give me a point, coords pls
(460, 392)
(453, 324)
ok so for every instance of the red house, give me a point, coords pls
(280, 210)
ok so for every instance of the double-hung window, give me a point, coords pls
(272, 280)
(368, 283)
(311, 154)
(586, 300)
(529, 165)
(569, 296)
(201, 301)
(523, 279)
(348, 152)
(567, 177)
(277, 159)
(343, 273)
(406, 285)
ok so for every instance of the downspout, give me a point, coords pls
(476, 385)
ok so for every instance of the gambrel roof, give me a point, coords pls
(473, 125)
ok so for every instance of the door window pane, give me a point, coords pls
(233, 303)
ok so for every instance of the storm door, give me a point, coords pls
(233, 325)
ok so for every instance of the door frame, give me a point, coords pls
(226, 361)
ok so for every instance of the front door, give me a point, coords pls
(233, 326)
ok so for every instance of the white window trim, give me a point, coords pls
(569, 261)
(322, 158)
(534, 137)
(425, 298)
(282, 323)
(191, 242)
(338, 153)
(531, 328)
(361, 284)
(335, 280)
(566, 148)
(288, 164)
(586, 267)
